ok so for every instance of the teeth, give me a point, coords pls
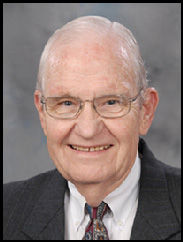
(91, 149)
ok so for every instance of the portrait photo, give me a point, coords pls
(92, 121)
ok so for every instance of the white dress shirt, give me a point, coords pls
(122, 202)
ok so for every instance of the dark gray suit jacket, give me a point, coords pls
(34, 209)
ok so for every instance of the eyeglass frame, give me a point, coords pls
(82, 103)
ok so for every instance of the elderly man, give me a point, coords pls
(94, 102)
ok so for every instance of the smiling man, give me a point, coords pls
(93, 103)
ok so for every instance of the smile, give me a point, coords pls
(90, 149)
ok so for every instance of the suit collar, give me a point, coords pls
(155, 218)
(48, 212)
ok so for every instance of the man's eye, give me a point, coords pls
(66, 103)
(111, 102)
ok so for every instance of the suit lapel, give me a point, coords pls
(142, 230)
(155, 218)
(46, 221)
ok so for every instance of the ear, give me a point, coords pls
(40, 109)
(148, 108)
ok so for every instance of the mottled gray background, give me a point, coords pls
(27, 26)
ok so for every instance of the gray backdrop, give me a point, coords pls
(27, 27)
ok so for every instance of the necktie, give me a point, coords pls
(96, 229)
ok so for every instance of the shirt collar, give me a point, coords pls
(77, 205)
(122, 200)
(127, 194)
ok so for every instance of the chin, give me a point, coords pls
(86, 174)
(85, 178)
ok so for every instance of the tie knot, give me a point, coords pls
(97, 212)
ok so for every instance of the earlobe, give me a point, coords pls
(149, 106)
(40, 110)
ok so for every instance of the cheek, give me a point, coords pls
(126, 134)
(57, 130)
(127, 138)
(125, 128)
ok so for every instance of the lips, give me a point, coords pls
(90, 149)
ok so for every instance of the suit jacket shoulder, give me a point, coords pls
(173, 178)
(159, 210)
(13, 192)
(30, 205)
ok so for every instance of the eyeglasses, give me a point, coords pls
(67, 107)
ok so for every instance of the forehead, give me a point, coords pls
(88, 64)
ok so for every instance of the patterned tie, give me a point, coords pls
(96, 229)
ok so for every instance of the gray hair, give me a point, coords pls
(103, 27)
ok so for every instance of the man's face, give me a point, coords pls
(88, 70)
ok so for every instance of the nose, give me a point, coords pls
(88, 122)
